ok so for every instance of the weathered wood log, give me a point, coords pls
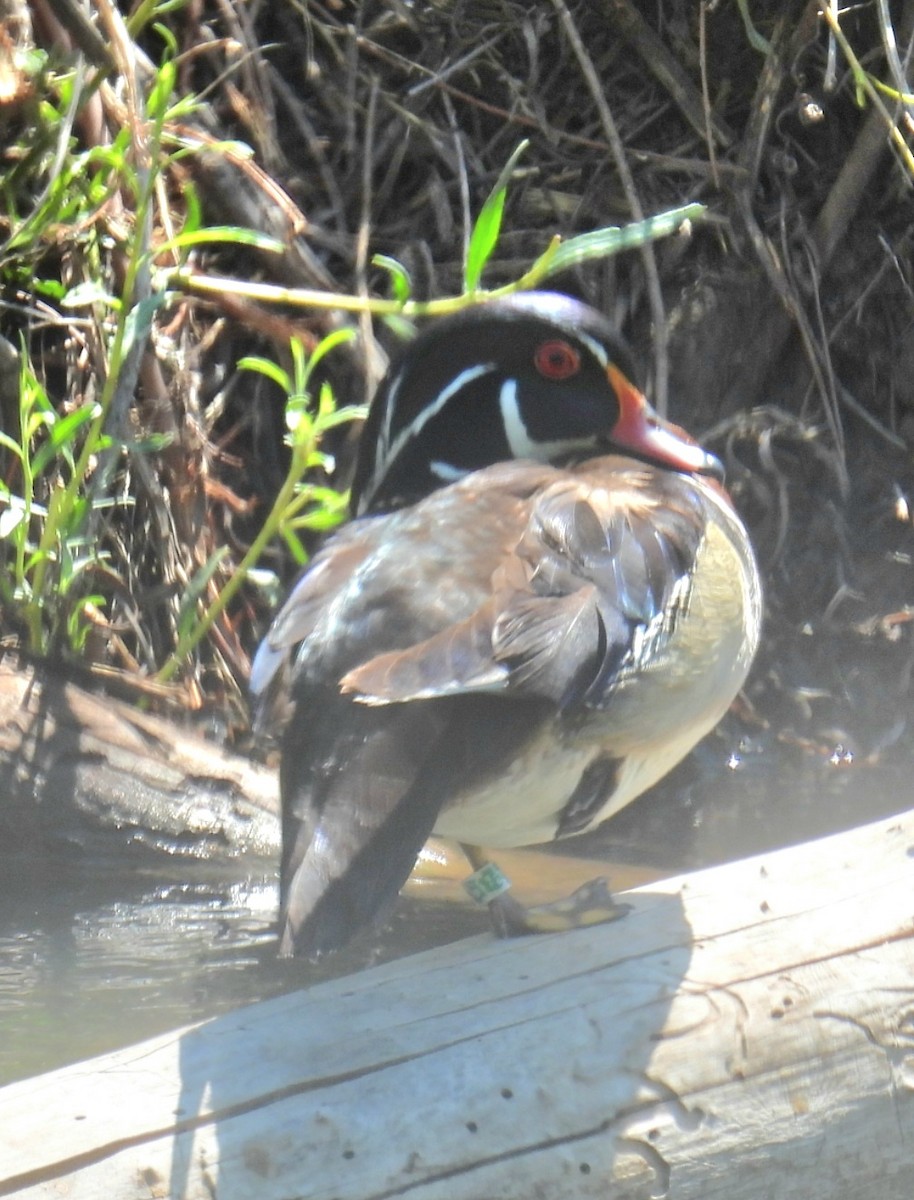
(745, 1032)
(83, 769)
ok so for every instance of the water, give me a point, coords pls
(92, 958)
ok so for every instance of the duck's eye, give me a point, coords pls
(557, 360)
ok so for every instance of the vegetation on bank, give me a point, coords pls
(202, 210)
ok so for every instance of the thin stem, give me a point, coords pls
(234, 582)
(861, 76)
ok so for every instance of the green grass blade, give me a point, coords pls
(603, 243)
(488, 224)
(215, 234)
(400, 281)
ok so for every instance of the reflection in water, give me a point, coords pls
(90, 961)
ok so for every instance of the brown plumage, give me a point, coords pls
(504, 660)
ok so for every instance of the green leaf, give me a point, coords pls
(603, 243)
(755, 38)
(197, 586)
(193, 210)
(400, 279)
(338, 337)
(234, 235)
(78, 511)
(341, 416)
(78, 623)
(325, 518)
(48, 287)
(139, 320)
(266, 366)
(13, 447)
(228, 146)
(162, 88)
(299, 422)
(488, 224)
(86, 293)
(165, 33)
(61, 435)
(37, 420)
(301, 369)
(402, 328)
(295, 545)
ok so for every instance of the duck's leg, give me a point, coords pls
(590, 904)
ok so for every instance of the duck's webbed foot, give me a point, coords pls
(590, 904)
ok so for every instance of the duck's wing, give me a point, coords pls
(588, 595)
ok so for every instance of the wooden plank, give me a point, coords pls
(746, 1031)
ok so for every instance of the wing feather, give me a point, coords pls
(592, 584)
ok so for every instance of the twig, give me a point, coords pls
(463, 181)
(705, 92)
(849, 188)
(372, 363)
(896, 69)
(611, 133)
(666, 70)
(789, 35)
(665, 162)
(866, 83)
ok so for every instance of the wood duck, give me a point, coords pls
(544, 599)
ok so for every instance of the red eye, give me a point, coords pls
(557, 360)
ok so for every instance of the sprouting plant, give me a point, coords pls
(558, 256)
(868, 87)
(135, 234)
(36, 543)
(301, 503)
(123, 238)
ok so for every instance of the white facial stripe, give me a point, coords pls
(519, 440)
(387, 452)
(598, 351)
(446, 472)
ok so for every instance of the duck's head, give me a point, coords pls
(534, 376)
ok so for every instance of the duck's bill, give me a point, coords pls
(644, 432)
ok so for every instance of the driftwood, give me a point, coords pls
(745, 1032)
(79, 769)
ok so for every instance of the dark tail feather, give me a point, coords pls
(324, 909)
(354, 819)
